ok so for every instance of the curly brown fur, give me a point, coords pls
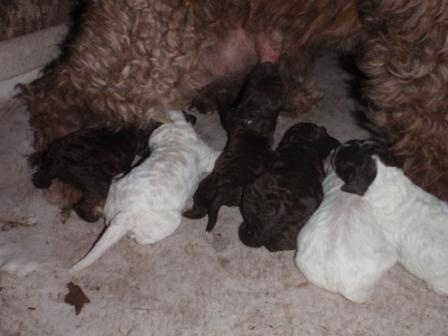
(78, 168)
(128, 61)
(404, 53)
(250, 123)
(280, 201)
(299, 29)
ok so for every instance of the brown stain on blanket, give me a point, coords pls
(76, 297)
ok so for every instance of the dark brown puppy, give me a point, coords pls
(250, 123)
(281, 200)
(87, 160)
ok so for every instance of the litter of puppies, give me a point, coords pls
(349, 212)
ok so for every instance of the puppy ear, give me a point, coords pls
(358, 177)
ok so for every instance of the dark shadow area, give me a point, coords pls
(355, 86)
(76, 20)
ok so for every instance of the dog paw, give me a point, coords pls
(194, 213)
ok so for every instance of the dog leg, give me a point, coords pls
(212, 211)
(195, 212)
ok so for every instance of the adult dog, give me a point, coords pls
(131, 59)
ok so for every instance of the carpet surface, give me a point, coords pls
(193, 282)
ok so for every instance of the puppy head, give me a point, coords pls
(62, 194)
(353, 162)
(248, 236)
(273, 238)
(259, 102)
(311, 133)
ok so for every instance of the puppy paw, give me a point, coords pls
(195, 213)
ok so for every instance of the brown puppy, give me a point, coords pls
(86, 161)
(281, 200)
(250, 123)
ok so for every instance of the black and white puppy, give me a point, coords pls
(282, 199)
(342, 248)
(413, 221)
(250, 122)
(86, 161)
(354, 164)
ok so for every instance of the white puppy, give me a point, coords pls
(341, 248)
(147, 202)
(413, 221)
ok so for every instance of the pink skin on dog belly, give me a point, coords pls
(238, 51)
(269, 47)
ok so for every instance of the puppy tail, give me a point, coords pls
(111, 235)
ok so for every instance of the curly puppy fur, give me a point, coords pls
(128, 60)
(404, 53)
(281, 200)
(86, 161)
(250, 123)
(146, 204)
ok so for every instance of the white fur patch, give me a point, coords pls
(415, 222)
(351, 241)
(146, 204)
(341, 248)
